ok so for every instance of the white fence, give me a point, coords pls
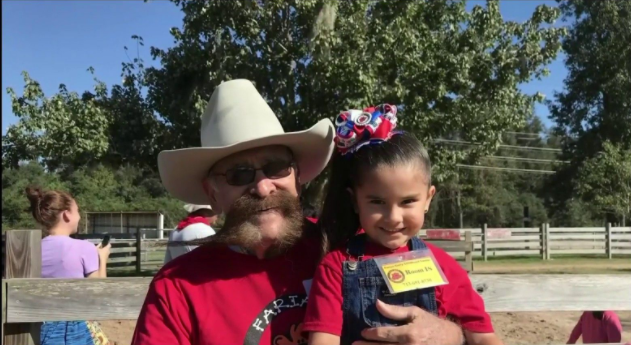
(545, 241)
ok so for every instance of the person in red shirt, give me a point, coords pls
(248, 284)
(381, 183)
(597, 327)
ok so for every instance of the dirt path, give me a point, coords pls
(513, 328)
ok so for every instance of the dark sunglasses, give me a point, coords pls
(242, 176)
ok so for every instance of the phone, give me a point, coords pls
(106, 241)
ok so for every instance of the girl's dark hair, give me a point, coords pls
(309, 211)
(338, 221)
(47, 205)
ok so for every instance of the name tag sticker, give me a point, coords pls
(410, 271)
(307, 285)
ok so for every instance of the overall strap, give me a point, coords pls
(417, 244)
(356, 245)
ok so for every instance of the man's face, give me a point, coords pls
(259, 208)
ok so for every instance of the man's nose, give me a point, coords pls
(263, 186)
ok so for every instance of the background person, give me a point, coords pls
(196, 225)
(597, 327)
(66, 257)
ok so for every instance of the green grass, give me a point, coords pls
(562, 265)
(531, 258)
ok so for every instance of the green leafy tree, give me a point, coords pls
(455, 74)
(594, 107)
(63, 130)
(604, 181)
(96, 188)
(15, 205)
(135, 132)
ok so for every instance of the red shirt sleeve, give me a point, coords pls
(576, 331)
(458, 299)
(163, 319)
(324, 310)
(613, 327)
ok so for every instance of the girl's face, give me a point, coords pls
(392, 202)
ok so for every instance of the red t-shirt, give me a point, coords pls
(216, 296)
(457, 299)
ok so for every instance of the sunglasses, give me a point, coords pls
(242, 176)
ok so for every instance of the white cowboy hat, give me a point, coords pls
(237, 118)
(190, 208)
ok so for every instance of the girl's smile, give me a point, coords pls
(391, 202)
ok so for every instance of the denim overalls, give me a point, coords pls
(363, 285)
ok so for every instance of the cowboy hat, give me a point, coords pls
(237, 118)
(190, 208)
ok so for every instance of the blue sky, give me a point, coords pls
(56, 42)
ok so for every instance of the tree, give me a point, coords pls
(135, 132)
(63, 130)
(15, 206)
(454, 74)
(594, 107)
(497, 197)
(604, 181)
(96, 188)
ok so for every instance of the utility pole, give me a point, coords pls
(526, 217)
(461, 222)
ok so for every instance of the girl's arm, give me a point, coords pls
(103, 254)
(323, 319)
(320, 338)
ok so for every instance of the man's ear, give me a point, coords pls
(211, 194)
(353, 199)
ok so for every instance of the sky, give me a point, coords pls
(57, 41)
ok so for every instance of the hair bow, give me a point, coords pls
(356, 128)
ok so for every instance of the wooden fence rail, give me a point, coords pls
(544, 241)
(28, 300)
(38, 300)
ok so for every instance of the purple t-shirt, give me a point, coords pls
(65, 257)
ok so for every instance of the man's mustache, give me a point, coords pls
(249, 205)
(239, 227)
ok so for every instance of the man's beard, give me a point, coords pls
(240, 227)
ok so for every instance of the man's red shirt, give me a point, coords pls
(217, 296)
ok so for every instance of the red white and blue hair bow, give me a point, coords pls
(357, 128)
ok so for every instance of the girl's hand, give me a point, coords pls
(104, 252)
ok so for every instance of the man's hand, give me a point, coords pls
(422, 328)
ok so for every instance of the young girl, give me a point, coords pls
(65, 257)
(381, 183)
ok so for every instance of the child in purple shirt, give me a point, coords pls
(65, 257)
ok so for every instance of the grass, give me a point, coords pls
(557, 265)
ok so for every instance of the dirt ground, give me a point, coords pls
(514, 328)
